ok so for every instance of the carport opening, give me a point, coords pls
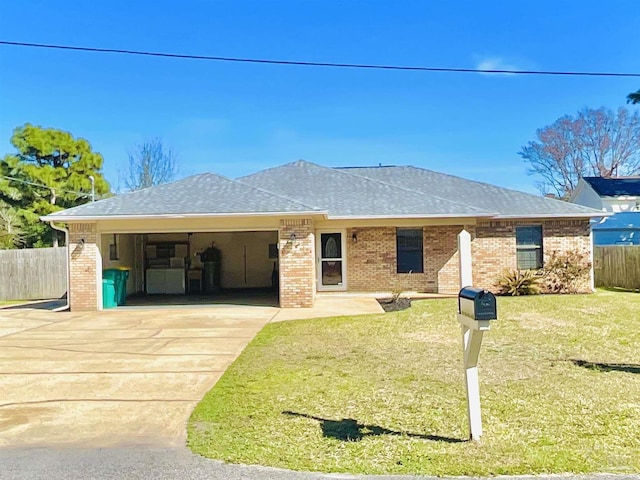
(195, 268)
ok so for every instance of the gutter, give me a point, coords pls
(66, 244)
(555, 215)
(175, 216)
(410, 216)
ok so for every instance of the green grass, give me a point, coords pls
(559, 380)
(6, 303)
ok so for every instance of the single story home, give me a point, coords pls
(302, 228)
(620, 198)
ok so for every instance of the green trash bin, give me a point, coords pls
(108, 293)
(119, 277)
(121, 293)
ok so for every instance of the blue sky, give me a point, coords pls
(234, 119)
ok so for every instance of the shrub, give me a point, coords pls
(519, 282)
(400, 286)
(567, 272)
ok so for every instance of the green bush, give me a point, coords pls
(519, 282)
(567, 272)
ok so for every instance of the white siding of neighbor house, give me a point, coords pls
(621, 204)
(586, 196)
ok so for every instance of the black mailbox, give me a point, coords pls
(477, 303)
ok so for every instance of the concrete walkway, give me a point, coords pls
(123, 376)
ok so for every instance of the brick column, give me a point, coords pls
(83, 266)
(297, 263)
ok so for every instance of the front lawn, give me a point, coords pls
(559, 380)
(8, 303)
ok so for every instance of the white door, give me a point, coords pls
(330, 248)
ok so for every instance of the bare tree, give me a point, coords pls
(596, 143)
(150, 164)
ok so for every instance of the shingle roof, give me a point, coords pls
(200, 194)
(345, 193)
(503, 201)
(613, 187)
(303, 187)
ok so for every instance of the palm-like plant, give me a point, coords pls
(519, 282)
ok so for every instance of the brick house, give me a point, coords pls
(303, 228)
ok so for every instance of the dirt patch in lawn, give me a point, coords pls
(391, 305)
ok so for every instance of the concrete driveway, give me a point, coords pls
(114, 378)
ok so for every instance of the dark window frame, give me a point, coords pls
(529, 238)
(409, 250)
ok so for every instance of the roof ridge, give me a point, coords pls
(233, 180)
(454, 202)
(491, 185)
(239, 180)
(626, 177)
(277, 167)
(278, 195)
(140, 190)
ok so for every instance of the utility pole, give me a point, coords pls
(93, 188)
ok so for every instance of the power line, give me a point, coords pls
(318, 64)
(80, 194)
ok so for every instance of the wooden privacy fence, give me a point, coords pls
(617, 266)
(33, 274)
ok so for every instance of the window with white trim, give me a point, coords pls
(529, 247)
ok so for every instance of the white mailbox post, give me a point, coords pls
(476, 309)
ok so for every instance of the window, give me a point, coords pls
(409, 250)
(529, 247)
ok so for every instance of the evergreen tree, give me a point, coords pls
(49, 171)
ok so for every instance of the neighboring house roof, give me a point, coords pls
(619, 221)
(204, 194)
(345, 194)
(614, 187)
(306, 188)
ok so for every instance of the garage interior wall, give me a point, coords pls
(126, 257)
(245, 255)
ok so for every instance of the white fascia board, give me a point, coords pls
(95, 218)
(555, 215)
(390, 217)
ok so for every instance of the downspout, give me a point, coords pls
(66, 244)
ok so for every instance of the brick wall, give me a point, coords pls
(493, 249)
(83, 266)
(371, 261)
(297, 263)
(494, 246)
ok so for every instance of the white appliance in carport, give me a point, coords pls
(165, 281)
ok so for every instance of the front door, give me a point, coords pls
(331, 264)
